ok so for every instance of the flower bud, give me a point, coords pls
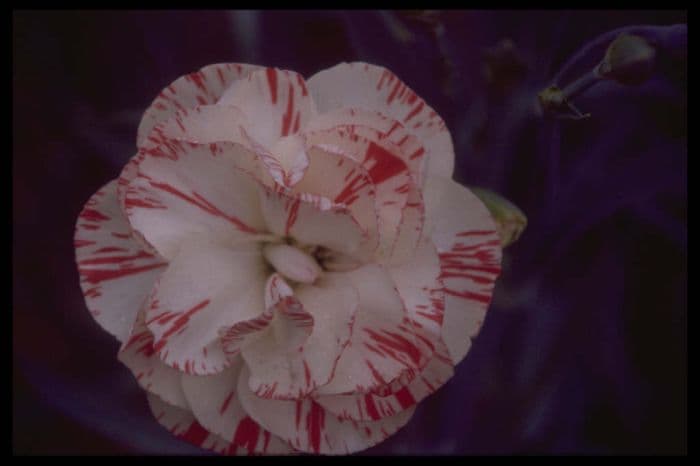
(510, 220)
(628, 60)
(551, 99)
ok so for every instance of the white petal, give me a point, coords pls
(205, 288)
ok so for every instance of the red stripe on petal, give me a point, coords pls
(297, 416)
(470, 295)
(266, 437)
(385, 164)
(315, 421)
(476, 233)
(247, 434)
(474, 278)
(95, 276)
(196, 434)
(197, 200)
(396, 342)
(226, 402)
(79, 243)
(198, 79)
(272, 82)
(287, 117)
(111, 249)
(393, 92)
(371, 407)
(302, 85)
(292, 216)
(116, 259)
(93, 215)
(420, 151)
(415, 111)
(180, 322)
(405, 398)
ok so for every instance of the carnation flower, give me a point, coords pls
(287, 263)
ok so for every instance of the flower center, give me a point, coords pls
(292, 262)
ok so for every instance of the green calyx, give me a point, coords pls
(510, 220)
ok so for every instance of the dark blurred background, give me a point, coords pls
(584, 350)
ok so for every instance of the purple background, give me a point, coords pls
(584, 349)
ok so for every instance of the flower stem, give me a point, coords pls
(581, 85)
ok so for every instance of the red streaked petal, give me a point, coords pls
(276, 102)
(127, 174)
(469, 248)
(336, 176)
(375, 88)
(291, 325)
(206, 287)
(371, 406)
(116, 271)
(378, 128)
(384, 344)
(183, 425)
(287, 161)
(214, 403)
(419, 284)
(409, 231)
(388, 174)
(138, 354)
(281, 372)
(311, 220)
(248, 439)
(237, 336)
(283, 322)
(199, 88)
(202, 124)
(183, 191)
(308, 427)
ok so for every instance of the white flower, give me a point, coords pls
(287, 263)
